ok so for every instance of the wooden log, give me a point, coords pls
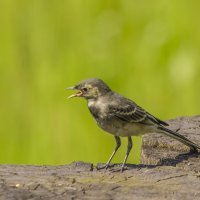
(164, 174)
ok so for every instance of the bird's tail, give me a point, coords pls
(180, 138)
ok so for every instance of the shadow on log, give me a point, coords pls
(165, 174)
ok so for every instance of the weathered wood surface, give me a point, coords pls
(164, 174)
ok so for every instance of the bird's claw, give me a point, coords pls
(106, 166)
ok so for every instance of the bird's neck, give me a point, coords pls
(92, 102)
(97, 103)
(97, 108)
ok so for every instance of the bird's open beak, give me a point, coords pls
(78, 94)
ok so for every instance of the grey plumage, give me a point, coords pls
(121, 116)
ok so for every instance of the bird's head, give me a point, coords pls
(90, 89)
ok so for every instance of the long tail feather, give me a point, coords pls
(179, 137)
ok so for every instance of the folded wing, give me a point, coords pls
(132, 113)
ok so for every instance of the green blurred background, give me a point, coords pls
(146, 50)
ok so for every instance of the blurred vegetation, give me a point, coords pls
(145, 50)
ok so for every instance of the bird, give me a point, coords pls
(121, 116)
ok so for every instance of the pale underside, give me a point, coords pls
(123, 129)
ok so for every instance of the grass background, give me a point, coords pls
(146, 50)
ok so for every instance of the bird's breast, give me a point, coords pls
(97, 109)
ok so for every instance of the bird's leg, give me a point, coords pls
(130, 144)
(118, 144)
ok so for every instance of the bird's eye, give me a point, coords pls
(85, 89)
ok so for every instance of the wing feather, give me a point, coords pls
(133, 113)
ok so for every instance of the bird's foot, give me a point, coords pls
(123, 168)
(106, 166)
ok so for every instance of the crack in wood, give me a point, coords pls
(171, 177)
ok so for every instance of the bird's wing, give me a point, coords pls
(131, 112)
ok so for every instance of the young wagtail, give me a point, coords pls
(122, 117)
